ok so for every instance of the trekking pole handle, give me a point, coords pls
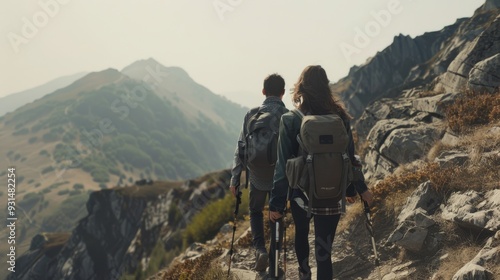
(238, 201)
(365, 204)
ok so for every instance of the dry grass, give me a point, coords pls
(473, 109)
(353, 212)
(391, 193)
(456, 258)
(435, 151)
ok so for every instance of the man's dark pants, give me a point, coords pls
(256, 205)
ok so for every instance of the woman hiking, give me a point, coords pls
(311, 96)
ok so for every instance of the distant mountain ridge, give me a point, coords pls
(108, 129)
(105, 106)
(11, 102)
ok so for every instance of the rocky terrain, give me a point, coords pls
(121, 229)
(437, 183)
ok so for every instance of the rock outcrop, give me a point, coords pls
(400, 131)
(488, 256)
(474, 210)
(417, 62)
(476, 66)
(417, 230)
(121, 229)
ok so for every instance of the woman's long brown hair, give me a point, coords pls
(313, 96)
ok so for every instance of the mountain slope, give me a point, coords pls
(174, 85)
(13, 101)
(106, 129)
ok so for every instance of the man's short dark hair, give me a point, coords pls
(274, 85)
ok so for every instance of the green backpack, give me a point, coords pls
(323, 169)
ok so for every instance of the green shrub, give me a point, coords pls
(78, 186)
(103, 186)
(32, 139)
(174, 214)
(63, 192)
(207, 223)
(74, 192)
(50, 136)
(158, 259)
(23, 131)
(47, 169)
(30, 200)
(100, 176)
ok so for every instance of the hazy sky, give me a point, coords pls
(228, 46)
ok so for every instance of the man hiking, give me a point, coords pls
(256, 152)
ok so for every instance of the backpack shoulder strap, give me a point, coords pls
(252, 114)
(298, 113)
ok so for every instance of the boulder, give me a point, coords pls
(469, 61)
(452, 158)
(488, 256)
(434, 104)
(416, 230)
(474, 210)
(424, 198)
(377, 166)
(473, 272)
(402, 271)
(415, 233)
(407, 144)
(449, 138)
(485, 75)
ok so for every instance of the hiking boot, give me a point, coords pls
(304, 276)
(261, 260)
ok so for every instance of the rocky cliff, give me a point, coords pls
(412, 62)
(401, 129)
(121, 229)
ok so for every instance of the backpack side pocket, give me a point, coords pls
(296, 172)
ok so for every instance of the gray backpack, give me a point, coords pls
(323, 168)
(261, 141)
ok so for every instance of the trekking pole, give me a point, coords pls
(284, 235)
(236, 210)
(369, 227)
(276, 256)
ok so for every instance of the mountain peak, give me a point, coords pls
(101, 77)
(146, 66)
